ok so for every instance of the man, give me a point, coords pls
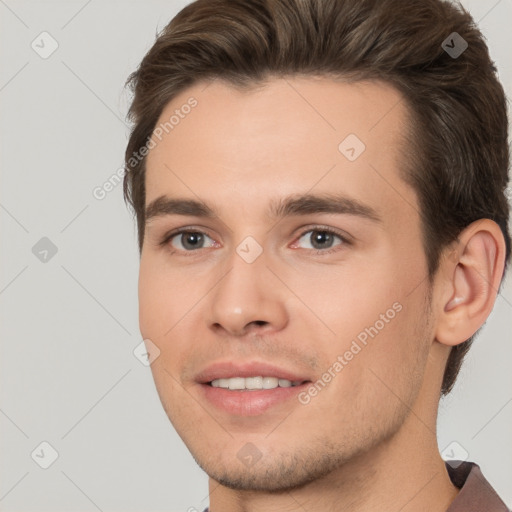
(319, 188)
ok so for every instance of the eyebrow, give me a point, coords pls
(305, 204)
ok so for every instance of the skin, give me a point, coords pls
(372, 430)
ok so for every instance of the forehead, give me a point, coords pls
(289, 135)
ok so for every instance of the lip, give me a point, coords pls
(228, 369)
(245, 402)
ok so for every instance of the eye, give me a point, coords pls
(319, 239)
(322, 239)
(188, 240)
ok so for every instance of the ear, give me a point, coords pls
(471, 277)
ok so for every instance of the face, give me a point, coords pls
(283, 249)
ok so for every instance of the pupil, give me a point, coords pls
(192, 240)
(321, 238)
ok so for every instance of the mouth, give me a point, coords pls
(250, 388)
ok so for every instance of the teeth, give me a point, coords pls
(236, 383)
(270, 382)
(250, 383)
(254, 383)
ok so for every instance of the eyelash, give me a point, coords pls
(345, 241)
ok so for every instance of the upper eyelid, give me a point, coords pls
(338, 232)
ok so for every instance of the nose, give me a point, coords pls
(247, 298)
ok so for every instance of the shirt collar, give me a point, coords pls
(476, 494)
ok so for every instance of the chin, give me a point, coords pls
(272, 472)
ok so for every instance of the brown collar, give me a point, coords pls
(476, 494)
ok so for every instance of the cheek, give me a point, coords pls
(380, 383)
(166, 306)
(150, 308)
(398, 354)
(346, 301)
(163, 299)
(380, 330)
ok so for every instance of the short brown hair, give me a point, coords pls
(459, 156)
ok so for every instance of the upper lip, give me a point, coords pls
(228, 369)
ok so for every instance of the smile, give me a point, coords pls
(253, 383)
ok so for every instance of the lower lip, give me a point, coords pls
(249, 403)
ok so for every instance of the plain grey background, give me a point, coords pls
(69, 322)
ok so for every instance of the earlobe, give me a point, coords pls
(471, 282)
